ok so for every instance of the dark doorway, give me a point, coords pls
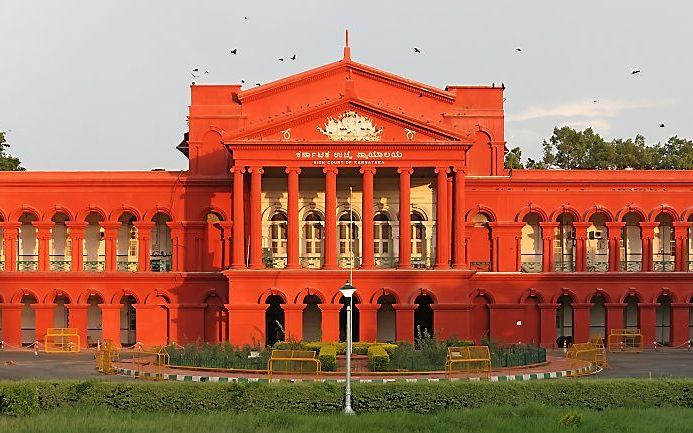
(274, 320)
(343, 320)
(423, 316)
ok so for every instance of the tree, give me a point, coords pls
(513, 159)
(8, 162)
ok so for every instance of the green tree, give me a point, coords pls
(8, 162)
(513, 159)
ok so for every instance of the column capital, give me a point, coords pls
(330, 170)
(407, 170)
(681, 224)
(462, 170)
(8, 226)
(110, 225)
(143, 225)
(614, 224)
(237, 169)
(367, 169)
(289, 170)
(404, 307)
(548, 306)
(76, 225)
(581, 305)
(256, 169)
(43, 225)
(444, 169)
(293, 307)
(330, 307)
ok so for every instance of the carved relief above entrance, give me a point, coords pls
(351, 126)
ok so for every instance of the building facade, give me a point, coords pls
(293, 183)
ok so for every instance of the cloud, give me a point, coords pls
(579, 109)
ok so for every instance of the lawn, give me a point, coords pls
(528, 418)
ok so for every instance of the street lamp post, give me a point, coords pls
(348, 292)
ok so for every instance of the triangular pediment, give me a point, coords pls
(349, 120)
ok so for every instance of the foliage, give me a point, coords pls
(378, 359)
(328, 357)
(571, 149)
(28, 397)
(572, 418)
(8, 162)
(222, 355)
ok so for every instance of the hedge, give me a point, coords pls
(27, 397)
(378, 358)
(328, 357)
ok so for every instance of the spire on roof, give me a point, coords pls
(347, 49)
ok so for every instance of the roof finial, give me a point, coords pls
(347, 49)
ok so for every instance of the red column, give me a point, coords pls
(680, 313)
(43, 235)
(110, 229)
(367, 217)
(404, 318)
(548, 325)
(647, 234)
(246, 324)
(581, 322)
(580, 246)
(405, 216)
(614, 317)
(451, 320)
(368, 322)
(177, 247)
(614, 229)
(10, 234)
(238, 224)
(647, 316)
(44, 319)
(681, 236)
(450, 227)
(442, 238)
(12, 324)
(330, 247)
(78, 319)
(144, 236)
(293, 321)
(548, 232)
(76, 229)
(256, 217)
(330, 321)
(460, 225)
(110, 322)
(227, 237)
(292, 224)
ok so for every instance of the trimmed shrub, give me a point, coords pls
(378, 359)
(27, 397)
(328, 357)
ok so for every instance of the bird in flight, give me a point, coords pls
(234, 51)
(281, 59)
(293, 57)
(257, 84)
(518, 49)
(661, 125)
(417, 50)
(635, 71)
(242, 81)
(245, 18)
(594, 102)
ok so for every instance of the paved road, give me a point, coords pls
(663, 363)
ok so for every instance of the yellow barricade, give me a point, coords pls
(471, 359)
(59, 340)
(149, 359)
(625, 340)
(598, 343)
(293, 361)
(106, 354)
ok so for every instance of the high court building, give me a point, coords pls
(292, 183)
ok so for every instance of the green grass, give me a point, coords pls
(528, 418)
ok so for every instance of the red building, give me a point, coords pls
(292, 182)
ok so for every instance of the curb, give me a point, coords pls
(223, 379)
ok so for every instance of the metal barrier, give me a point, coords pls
(585, 352)
(59, 340)
(625, 340)
(598, 344)
(106, 355)
(141, 359)
(293, 361)
(472, 359)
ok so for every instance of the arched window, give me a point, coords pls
(161, 244)
(531, 244)
(345, 236)
(564, 244)
(127, 243)
(664, 244)
(382, 241)
(27, 251)
(94, 245)
(60, 244)
(564, 321)
(418, 241)
(480, 248)
(312, 240)
(278, 236)
(597, 244)
(631, 243)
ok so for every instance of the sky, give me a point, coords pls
(104, 85)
